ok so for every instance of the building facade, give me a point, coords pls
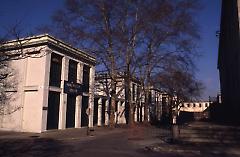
(229, 60)
(103, 97)
(54, 86)
(190, 111)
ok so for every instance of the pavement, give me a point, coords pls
(197, 139)
(203, 139)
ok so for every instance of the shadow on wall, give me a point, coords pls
(224, 114)
(185, 117)
(42, 147)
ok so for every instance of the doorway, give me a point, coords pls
(70, 115)
(53, 110)
(84, 116)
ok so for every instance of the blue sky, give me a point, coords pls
(209, 21)
(33, 13)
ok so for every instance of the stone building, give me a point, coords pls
(199, 110)
(229, 60)
(102, 101)
(55, 84)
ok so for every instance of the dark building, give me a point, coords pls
(229, 60)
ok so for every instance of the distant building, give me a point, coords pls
(103, 98)
(229, 60)
(195, 106)
(54, 86)
(189, 111)
(199, 109)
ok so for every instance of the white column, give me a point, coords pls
(99, 122)
(91, 95)
(63, 96)
(143, 113)
(45, 88)
(160, 106)
(107, 112)
(118, 111)
(79, 97)
(122, 119)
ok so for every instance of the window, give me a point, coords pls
(206, 105)
(55, 70)
(200, 105)
(86, 77)
(188, 105)
(72, 71)
(194, 105)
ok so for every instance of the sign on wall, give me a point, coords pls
(73, 88)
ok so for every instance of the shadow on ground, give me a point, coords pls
(203, 139)
(32, 146)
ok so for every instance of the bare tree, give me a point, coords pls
(169, 34)
(180, 85)
(92, 25)
(10, 51)
(126, 35)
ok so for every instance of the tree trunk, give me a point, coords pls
(175, 132)
(175, 127)
(147, 99)
(128, 99)
(112, 91)
(112, 112)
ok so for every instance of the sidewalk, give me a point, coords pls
(66, 134)
(203, 139)
(196, 139)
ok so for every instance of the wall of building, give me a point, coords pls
(28, 97)
(102, 100)
(34, 89)
(195, 106)
(229, 59)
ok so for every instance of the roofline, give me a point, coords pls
(48, 39)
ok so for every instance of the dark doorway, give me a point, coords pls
(86, 77)
(70, 115)
(84, 116)
(95, 115)
(72, 71)
(55, 70)
(103, 111)
(53, 110)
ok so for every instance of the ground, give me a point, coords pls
(197, 139)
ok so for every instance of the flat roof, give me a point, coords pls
(49, 40)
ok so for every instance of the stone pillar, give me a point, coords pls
(107, 112)
(79, 97)
(160, 107)
(118, 111)
(99, 122)
(91, 95)
(143, 113)
(122, 119)
(63, 96)
(46, 90)
(135, 113)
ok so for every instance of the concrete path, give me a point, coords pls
(197, 139)
(204, 139)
